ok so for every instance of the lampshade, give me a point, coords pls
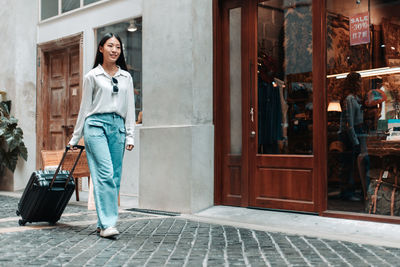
(132, 27)
(334, 106)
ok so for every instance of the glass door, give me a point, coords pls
(281, 165)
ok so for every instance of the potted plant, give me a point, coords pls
(11, 140)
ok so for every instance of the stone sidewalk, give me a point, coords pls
(160, 240)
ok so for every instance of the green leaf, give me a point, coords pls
(18, 131)
(13, 138)
(10, 160)
(4, 109)
(23, 152)
(11, 141)
(13, 121)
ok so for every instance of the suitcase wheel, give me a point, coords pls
(17, 212)
(22, 222)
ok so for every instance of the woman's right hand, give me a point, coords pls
(72, 147)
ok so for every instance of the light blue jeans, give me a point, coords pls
(105, 145)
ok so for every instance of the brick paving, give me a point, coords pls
(149, 240)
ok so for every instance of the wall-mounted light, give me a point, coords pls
(132, 26)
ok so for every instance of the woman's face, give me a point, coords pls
(111, 50)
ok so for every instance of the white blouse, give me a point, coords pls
(97, 97)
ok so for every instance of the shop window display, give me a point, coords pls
(285, 93)
(363, 108)
(131, 36)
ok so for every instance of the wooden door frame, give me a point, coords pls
(42, 104)
(217, 81)
(319, 103)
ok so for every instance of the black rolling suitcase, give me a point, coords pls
(47, 193)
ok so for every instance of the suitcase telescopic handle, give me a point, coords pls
(67, 148)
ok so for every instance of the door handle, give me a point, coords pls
(253, 134)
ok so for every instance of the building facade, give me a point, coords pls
(243, 103)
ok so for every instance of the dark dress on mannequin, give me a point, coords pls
(269, 117)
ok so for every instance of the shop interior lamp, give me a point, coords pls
(132, 27)
(334, 106)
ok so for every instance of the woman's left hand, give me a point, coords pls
(129, 147)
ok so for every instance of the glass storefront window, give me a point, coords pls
(363, 112)
(132, 44)
(285, 92)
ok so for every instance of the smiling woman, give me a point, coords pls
(107, 121)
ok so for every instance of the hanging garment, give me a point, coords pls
(269, 114)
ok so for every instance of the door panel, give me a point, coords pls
(73, 91)
(285, 161)
(233, 183)
(57, 85)
(64, 96)
(294, 184)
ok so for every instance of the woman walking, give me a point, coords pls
(106, 120)
(353, 135)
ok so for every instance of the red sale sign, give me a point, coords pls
(359, 29)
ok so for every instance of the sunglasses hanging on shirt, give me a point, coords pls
(114, 83)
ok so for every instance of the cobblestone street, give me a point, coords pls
(160, 240)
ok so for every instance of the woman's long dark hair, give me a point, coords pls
(99, 56)
(352, 84)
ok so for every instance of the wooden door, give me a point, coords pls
(59, 75)
(63, 96)
(281, 151)
(256, 169)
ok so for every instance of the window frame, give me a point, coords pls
(59, 11)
